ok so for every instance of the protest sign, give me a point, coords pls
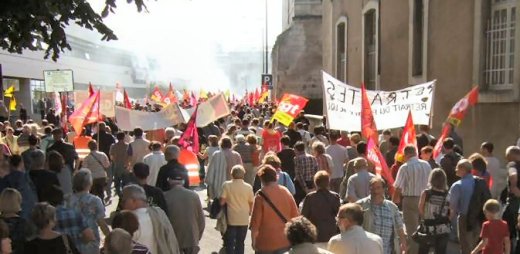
(212, 109)
(390, 108)
(128, 119)
(107, 101)
(289, 107)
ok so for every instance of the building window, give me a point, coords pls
(341, 50)
(418, 38)
(370, 49)
(500, 45)
(37, 94)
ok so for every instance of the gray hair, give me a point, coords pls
(238, 172)
(82, 180)
(134, 191)
(118, 242)
(410, 150)
(465, 165)
(37, 159)
(171, 152)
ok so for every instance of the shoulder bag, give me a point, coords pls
(284, 220)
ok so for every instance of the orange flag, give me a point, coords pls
(437, 150)
(87, 113)
(368, 124)
(374, 155)
(170, 96)
(126, 100)
(408, 138)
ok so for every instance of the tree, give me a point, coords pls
(40, 24)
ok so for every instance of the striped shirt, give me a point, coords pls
(412, 177)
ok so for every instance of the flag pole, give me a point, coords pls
(98, 110)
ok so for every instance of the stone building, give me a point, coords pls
(391, 44)
(296, 55)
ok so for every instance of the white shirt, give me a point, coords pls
(412, 177)
(144, 235)
(498, 175)
(155, 160)
(356, 241)
(339, 156)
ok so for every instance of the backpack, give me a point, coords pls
(480, 195)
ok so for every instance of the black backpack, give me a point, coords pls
(480, 195)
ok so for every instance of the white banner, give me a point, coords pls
(212, 109)
(128, 119)
(390, 108)
(107, 101)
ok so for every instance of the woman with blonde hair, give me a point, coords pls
(10, 207)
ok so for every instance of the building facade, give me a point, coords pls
(391, 44)
(296, 55)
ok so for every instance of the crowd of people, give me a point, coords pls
(295, 190)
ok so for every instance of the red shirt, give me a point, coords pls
(344, 142)
(271, 141)
(495, 231)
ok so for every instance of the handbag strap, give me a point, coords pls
(98, 161)
(272, 206)
(66, 243)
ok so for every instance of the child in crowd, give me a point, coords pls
(495, 233)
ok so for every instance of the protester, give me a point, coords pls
(293, 134)
(480, 167)
(433, 210)
(449, 160)
(185, 213)
(384, 142)
(426, 154)
(358, 184)
(461, 196)
(171, 154)
(267, 225)
(118, 242)
(271, 139)
(65, 149)
(69, 221)
(321, 207)
(120, 160)
(382, 217)
(155, 230)
(393, 144)
(20, 180)
(219, 168)
(339, 156)
(154, 195)
(48, 240)
(237, 197)
(498, 175)
(513, 192)
(128, 221)
(26, 155)
(105, 139)
(155, 160)
(56, 164)
(305, 167)
(41, 177)
(5, 241)
(139, 147)
(411, 180)
(90, 207)
(353, 239)
(246, 153)
(495, 233)
(324, 160)
(98, 164)
(361, 151)
(286, 156)
(19, 229)
(301, 233)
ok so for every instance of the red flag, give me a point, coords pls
(461, 107)
(193, 100)
(90, 90)
(87, 113)
(374, 155)
(64, 113)
(437, 150)
(157, 95)
(126, 100)
(265, 87)
(368, 124)
(257, 94)
(250, 99)
(170, 96)
(189, 140)
(408, 138)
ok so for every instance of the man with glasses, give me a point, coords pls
(353, 239)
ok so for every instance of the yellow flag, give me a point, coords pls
(227, 94)
(12, 104)
(263, 97)
(9, 92)
(203, 94)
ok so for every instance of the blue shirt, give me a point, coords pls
(460, 194)
(70, 222)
